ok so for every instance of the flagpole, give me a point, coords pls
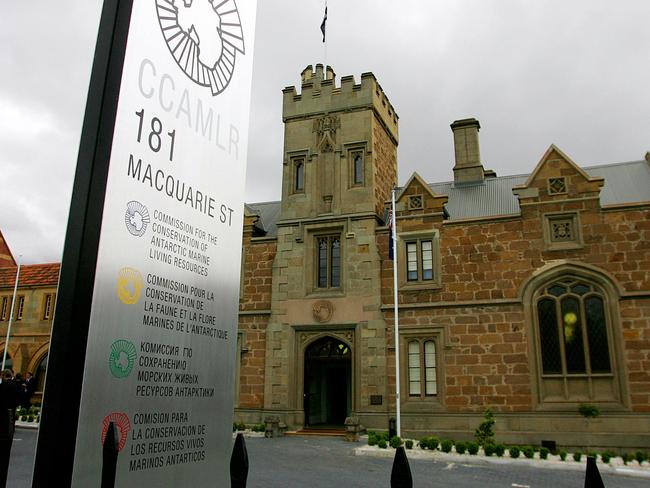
(11, 315)
(396, 315)
(325, 45)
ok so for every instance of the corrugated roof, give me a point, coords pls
(624, 183)
(492, 197)
(31, 275)
(269, 213)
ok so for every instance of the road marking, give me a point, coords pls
(515, 485)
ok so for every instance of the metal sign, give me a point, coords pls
(160, 348)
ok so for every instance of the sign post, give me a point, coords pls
(145, 328)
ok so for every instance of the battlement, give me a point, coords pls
(320, 94)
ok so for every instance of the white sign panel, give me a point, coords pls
(161, 345)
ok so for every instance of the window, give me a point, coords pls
(328, 261)
(556, 186)
(4, 308)
(20, 306)
(562, 231)
(48, 305)
(422, 378)
(574, 342)
(357, 170)
(299, 176)
(415, 202)
(419, 260)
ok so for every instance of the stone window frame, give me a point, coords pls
(415, 202)
(20, 307)
(4, 308)
(559, 245)
(298, 165)
(48, 306)
(610, 291)
(352, 150)
(422, 402)
(293, 158)
(404, 238)
(312, 233)
(551, 183)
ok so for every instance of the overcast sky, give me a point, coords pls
(534, 72)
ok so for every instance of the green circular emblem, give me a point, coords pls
(122, 358)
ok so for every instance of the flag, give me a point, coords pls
(391, 223)
(322, 25)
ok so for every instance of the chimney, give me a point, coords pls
(468, 167)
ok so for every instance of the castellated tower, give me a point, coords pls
(340, 146)
(340, 151)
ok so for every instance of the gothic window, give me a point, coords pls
(20, 307)
(422, 380)
(48, 306)
(299, 176)
(3, 308)
(358, 169)
(574, 341)
(328, 262)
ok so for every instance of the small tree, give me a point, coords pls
(484, 433)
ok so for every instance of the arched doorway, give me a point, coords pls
(328, 383)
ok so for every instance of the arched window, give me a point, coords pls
(358, 169)
(40, 373)
(574, 336)
(299, 179)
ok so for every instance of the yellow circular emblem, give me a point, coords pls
(129, 285)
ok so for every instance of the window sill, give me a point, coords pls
(419, 285)
(320, 293)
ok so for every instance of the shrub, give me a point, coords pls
(606, 456)
(577, 456)
(382, 444)
(514, 452)
(472, 448)
(461, 447)
(446, 445)
(563, 454)
(489, 449)
(429, 443)
(484, 433)
(529, 452)
(258, 428)
(408, 443)
(499, 450)
(395, 442)
(384, 435)
(639, 456)
(372, 439)
(589, 411)
(543, 453)
(627, 457)
(593, 455)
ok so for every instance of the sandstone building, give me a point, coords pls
(33, 312)
(529, 294)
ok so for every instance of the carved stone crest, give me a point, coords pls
(322, 311)
(326, 128)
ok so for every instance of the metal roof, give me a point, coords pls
(624, 183)
(269, 213)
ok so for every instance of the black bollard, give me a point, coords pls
(592, 478)
(239, 463)
(109, 453)
(400, 476)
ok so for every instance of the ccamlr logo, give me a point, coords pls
(203, 36)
